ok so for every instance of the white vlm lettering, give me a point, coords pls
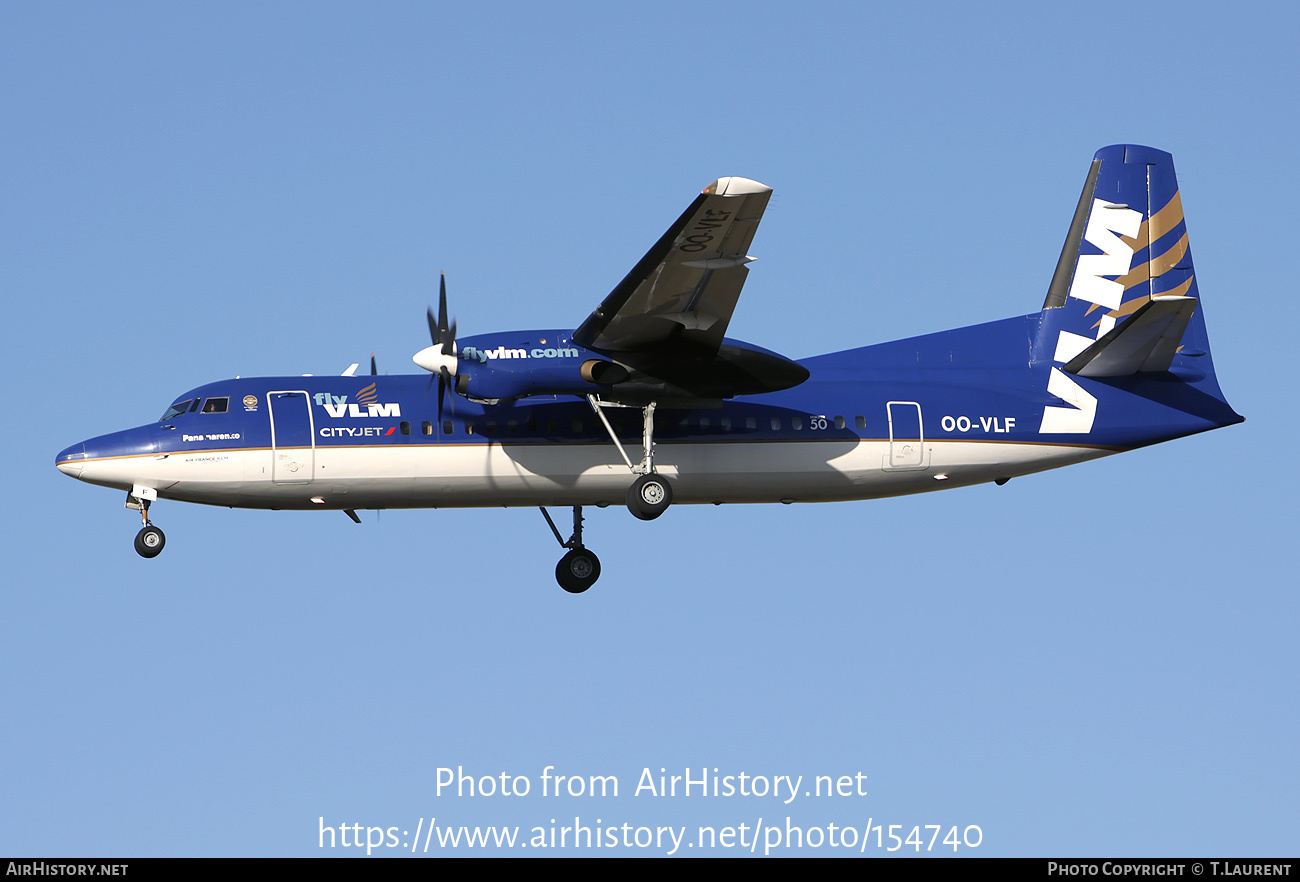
(1103, 223)
(372, 410)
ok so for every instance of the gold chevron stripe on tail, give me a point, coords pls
(1160, 223)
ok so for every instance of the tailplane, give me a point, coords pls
(1148, 341)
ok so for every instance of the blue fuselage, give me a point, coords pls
(943, 410)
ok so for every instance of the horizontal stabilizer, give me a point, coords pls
(1148, 341)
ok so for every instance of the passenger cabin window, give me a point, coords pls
(839, 422)
(861, 421)
(426, 427)
(447, 427)
(776, 424)
(216, 405)
(406, 427)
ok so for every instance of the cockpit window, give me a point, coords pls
(175, 410)
(216, 405)
(195, 405)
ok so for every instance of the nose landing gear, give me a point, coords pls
(150, 540)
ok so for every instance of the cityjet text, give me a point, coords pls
(349, 432)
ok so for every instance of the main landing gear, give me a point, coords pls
(579, 569)
(150, 540)
(649, 497)
(650, 494)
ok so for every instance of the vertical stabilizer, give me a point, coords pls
(1124, 298)
(1127, 243)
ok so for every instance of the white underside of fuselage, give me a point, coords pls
(480, 475)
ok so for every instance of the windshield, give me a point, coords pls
(175, 410)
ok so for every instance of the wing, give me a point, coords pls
(680, 296)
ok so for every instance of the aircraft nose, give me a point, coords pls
(71, 461)
(113, 460)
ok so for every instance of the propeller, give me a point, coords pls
(440, 358)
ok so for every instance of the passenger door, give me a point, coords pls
(293, 437)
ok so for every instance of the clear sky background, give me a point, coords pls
(1099, 660)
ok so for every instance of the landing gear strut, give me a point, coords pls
(650, 494)
(150, 540)
(579, 569)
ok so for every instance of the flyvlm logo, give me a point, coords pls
(338, 406)
(482, 355)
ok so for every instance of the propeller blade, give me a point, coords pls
(440, 357)
(444, 336)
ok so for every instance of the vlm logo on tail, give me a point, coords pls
(1090, 284)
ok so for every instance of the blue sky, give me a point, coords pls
(1094, 661)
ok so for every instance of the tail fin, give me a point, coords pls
(1124, 298)
(1127, 244)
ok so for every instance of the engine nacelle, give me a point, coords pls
(503, 380)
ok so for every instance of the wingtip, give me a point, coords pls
(735, 186)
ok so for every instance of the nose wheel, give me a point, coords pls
(149, 541)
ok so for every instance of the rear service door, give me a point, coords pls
(906, 437)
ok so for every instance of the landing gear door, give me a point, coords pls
(906, 436)
(293, 437)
